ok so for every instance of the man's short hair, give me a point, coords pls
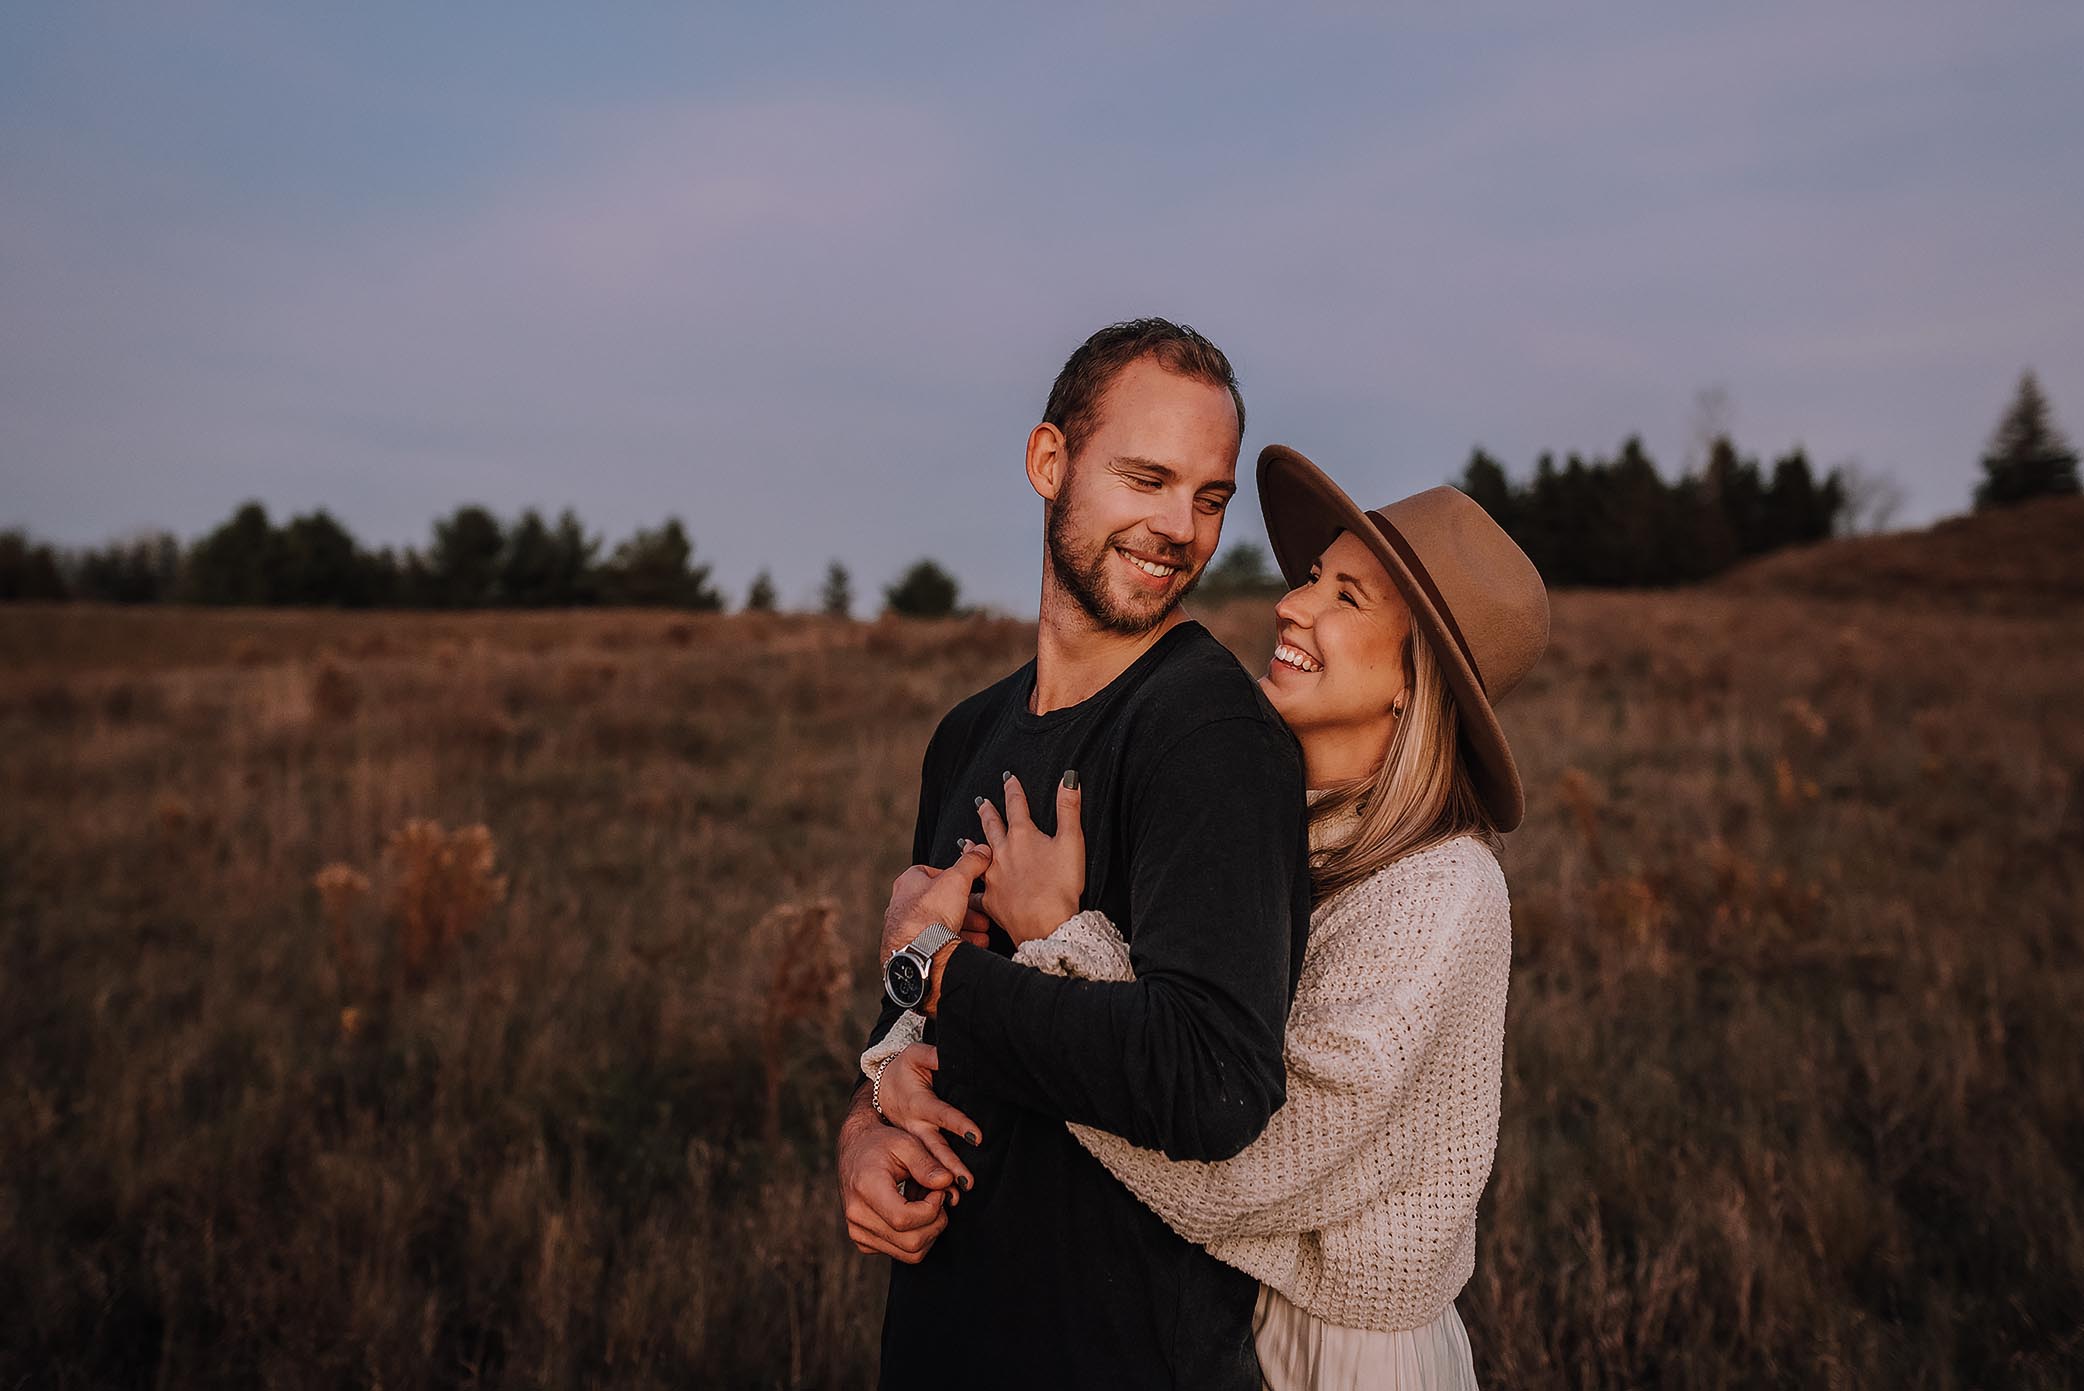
(1074, 402)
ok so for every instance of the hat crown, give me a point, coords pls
(1482, 583)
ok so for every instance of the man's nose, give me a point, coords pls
(1174, 519)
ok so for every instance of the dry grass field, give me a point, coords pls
(416, 1001)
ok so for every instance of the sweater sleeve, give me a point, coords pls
(1186, 1057)
(1355, 1042)
(931, 776)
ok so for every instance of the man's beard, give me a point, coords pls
(1085, 579)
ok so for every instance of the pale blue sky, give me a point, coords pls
(803, 275)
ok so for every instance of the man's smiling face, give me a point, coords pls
(1141, 508)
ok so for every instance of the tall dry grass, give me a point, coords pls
(304, 1081)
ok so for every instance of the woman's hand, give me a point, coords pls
(908, 1102)
(1034, 881)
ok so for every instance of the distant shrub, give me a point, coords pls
(924, 591)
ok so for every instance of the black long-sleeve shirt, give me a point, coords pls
(1050, 1273)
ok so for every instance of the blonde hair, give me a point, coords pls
(1422, 794)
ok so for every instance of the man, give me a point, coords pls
(1046, 1272)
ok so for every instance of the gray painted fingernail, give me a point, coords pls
(979, 804)
(1071, 779)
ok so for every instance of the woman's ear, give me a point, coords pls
(1049, 461)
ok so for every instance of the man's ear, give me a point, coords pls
(1049, 461)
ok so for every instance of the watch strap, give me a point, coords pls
(932, 940)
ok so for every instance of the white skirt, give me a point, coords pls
(1300, 1352)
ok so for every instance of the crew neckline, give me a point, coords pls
(1027, 719)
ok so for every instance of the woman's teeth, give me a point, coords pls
(1155, 571)
(1296, 658)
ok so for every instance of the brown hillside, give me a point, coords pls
(2014, 559)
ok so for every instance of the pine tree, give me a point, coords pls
(2028, 456)
(1483, 479)
(321, 563)
(924, 591)
(465, 557)
(238, 563)
(836, 599)
(760, 598)
(657, 567)
(29, 568)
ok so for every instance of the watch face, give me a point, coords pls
(906, 985)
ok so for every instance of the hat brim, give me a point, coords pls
(1305, 511)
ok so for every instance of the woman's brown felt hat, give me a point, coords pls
(1473, 594)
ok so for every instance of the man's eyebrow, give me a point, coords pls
(1168, 472)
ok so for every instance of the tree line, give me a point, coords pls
(473, 560)
(1618, 522)
(1595, 521)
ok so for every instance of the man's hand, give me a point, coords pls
(923, 895)
(874, 1160)
(975, 927)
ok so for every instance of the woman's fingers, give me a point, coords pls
(955, 1123)
(994, 828)
(1017, 817)
(1070, 828)
(927, 1133)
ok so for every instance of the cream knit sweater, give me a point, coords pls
(1358, 1201)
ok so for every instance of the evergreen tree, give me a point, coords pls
(1628, 541)
(239, 562)
(656, 568)
(1483, 478)
(320, 564)
(385, 578)
(29, 569)
(2028, 455)
(1736, 488)
(836, 598)
(417, 586)
(575, 570)
(143, 569)
(1799, 509)
(465, 558)
(530, 572)
(924, 591)
(760, 598)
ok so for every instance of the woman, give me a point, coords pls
(1356, 1208)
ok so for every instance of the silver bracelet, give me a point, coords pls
(875, 1086)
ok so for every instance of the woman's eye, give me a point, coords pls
(1347, 598)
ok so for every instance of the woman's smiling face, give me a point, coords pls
(1339, 667)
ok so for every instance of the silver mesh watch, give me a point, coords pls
(905, 973)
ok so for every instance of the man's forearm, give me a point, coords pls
(861, 1113)
(1161, 1063)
